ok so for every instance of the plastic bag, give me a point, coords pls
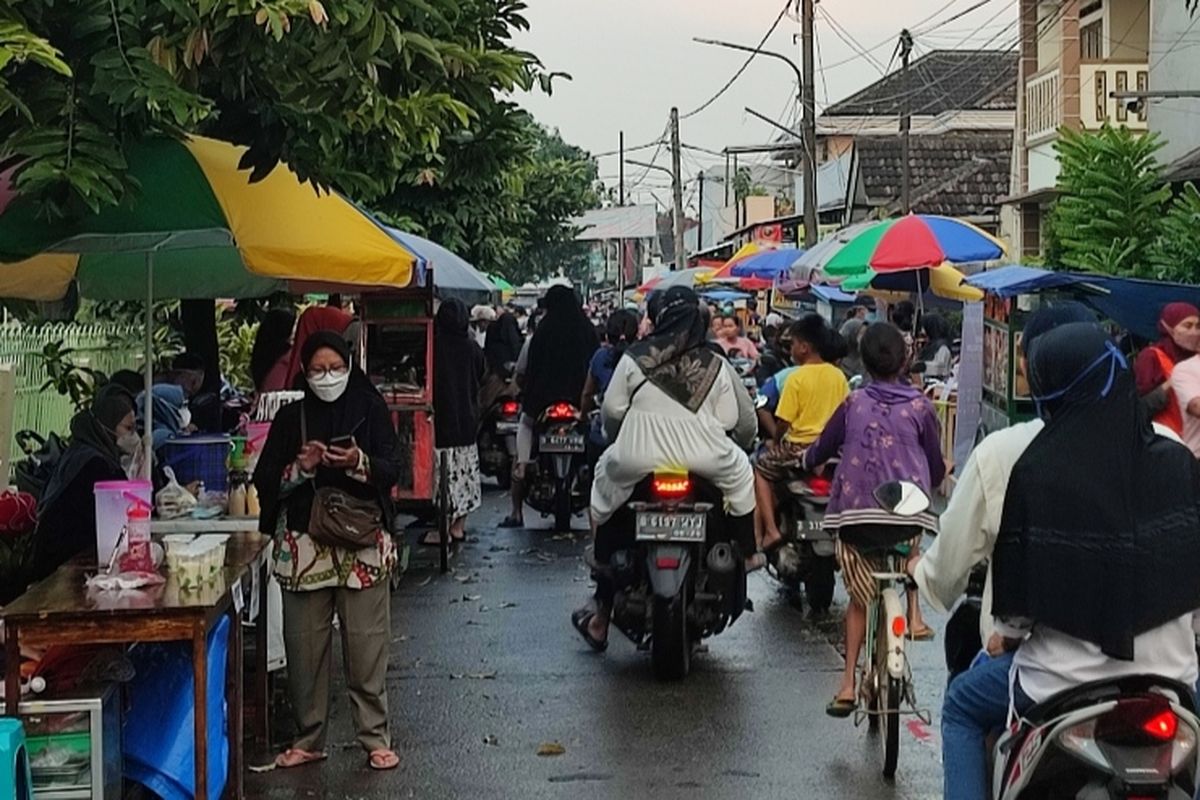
(173, 501)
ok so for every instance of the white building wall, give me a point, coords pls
(1174, 64)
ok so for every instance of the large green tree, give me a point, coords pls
(353, 93)
(503, 195)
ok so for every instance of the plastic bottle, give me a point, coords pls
(137, 556)
(237, 500)
(253, 508)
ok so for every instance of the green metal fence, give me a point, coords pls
(106, 348)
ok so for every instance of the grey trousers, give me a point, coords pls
(365, 618)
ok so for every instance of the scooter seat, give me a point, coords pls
(1089, 694)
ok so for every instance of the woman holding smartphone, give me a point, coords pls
(336, 442)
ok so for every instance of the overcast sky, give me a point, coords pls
(631, 60)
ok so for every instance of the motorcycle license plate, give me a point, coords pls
(561, 443)
(669, 526)
(507, 428)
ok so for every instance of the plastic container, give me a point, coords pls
(136, 557)
(112, 501)
(199, 458)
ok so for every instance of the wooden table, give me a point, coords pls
(214, 525)
(61, 609)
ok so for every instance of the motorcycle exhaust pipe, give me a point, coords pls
(721, 560)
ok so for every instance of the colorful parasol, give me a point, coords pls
(914, 242)
(768, 265)
(212, 233)
(684, 277)
(725, 271)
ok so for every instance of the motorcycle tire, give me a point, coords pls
(562, 511)
(820, 584)
(670, 645)
(890, 703)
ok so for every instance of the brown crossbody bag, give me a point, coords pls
(339, 519)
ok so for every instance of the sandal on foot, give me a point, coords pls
(436, 540)
(294, 757)
(580, 620)
(922, 634)
(512, 522)
(383, 760)
(841, 708)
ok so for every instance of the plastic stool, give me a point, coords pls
(15, 781)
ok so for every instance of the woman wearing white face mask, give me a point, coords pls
(67, 510)
(338, 442)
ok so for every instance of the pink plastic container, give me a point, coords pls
(112, 502)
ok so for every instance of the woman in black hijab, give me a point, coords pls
(458, 370)
(1100, 534)
(340, 435)
(272, 347)
(501, 350)
(559, 353)
(100, 436)
(672, 402)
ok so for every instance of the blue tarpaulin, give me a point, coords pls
(831, 294)
(1133, 304)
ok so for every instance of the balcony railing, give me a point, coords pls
(1043, 107)
(1097, 80)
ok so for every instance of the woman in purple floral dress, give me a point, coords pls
(888, 431)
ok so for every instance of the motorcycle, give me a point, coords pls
(498, 439)
(744, 368)
(806, 557)
(1130, 737)
(682, 578)
(560, 480)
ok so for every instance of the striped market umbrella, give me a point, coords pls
(914, 242)
(198, 228)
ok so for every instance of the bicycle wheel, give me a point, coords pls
(887, 702)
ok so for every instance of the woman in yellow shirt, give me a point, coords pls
(809, 397)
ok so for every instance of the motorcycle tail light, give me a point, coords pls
(666, 562)
(672, 487)
(561, 411)
(510, 408)
(820, 487)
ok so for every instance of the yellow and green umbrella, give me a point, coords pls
(198, 228)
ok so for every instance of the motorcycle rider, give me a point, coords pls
(557, 358)
(977, 701)
(620, 330)
(671, 402)
(809, 398)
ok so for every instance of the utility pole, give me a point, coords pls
(677, 190)
(700, 216)
(621, 241)
(906, 45)
(808, 103)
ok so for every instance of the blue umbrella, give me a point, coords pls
(453, 276)
(768, 265)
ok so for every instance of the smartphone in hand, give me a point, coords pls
(343, 442)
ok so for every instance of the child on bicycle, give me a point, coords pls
(885, 432)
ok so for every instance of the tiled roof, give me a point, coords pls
(940, 81)
(1185, 168)
(959, 174)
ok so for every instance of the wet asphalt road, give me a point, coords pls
(485, 668)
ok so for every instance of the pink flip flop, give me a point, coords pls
(383, 760)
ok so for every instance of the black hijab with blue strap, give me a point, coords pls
(1100, 534)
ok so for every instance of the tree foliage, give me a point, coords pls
(353, 94)
(504, 197)
(1177, 255)
(1109, 212)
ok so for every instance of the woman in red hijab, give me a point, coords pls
(315, 320)
(1179, 324)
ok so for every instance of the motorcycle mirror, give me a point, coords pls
(902, 498)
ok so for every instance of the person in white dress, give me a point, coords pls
(673, 402)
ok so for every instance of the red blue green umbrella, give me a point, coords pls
(913, 242)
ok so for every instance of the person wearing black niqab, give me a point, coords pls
(306, 450)
(100, 436)
(501, 351)
(558, 356)
(671, 403)
(1100, 532)
(457, 373)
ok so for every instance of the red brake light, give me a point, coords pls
(666, 562)
(1162, 726)
(510, 408)
(561, 411)
(672, 487)
(820, 487)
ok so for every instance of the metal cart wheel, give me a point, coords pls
(444, 511)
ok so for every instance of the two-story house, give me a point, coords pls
(1073, 55)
